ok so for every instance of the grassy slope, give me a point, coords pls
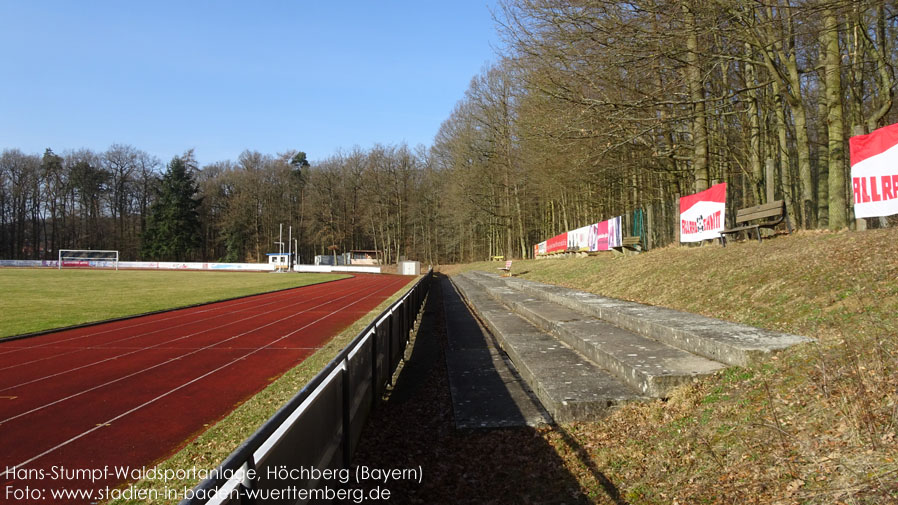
(816, 424)
(40, 299)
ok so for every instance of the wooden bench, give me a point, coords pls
(507, 268)
(772, 214)
(633, 243)
(497, 258)
(630, 243)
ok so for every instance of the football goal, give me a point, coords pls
(87, 258)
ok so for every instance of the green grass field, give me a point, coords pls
(40, 299)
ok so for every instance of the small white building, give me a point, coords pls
(409, 268)
(279, 261)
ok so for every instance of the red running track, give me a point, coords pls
(78, 405)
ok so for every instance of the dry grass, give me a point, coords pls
(816, 424)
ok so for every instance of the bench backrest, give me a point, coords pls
(772, 209)
(630, 240)
(508, 265)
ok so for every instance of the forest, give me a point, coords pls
(592, 109)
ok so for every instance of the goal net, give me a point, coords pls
(87, 258)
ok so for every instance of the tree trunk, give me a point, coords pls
(803, 146)
(783, 151)
(754, 130)
(837, 208)
(822, 179)
(697, 97)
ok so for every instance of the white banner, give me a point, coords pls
(702, 214)
(578, 240)
(874, 172)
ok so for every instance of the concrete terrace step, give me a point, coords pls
(726, 342)
(570, 387)
(650, 366)
(486, 391)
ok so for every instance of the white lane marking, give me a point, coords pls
(175, 314)
(170, 360)
(182, 386)
(161, 343)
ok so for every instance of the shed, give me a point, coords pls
(280, 261)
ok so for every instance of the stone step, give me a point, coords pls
(650, 366)
(486, 391)
(726, 342)
(570, 387)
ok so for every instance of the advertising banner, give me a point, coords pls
(614, 232)
(593, 240)
(602, 236)
(558, 243)
(874, 172)
(702, 214)
(607, 234)
(578, 240)
(601, 242)
(23, 263)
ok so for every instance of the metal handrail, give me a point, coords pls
(242, 458)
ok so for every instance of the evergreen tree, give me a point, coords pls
(173, 226)
(299, 160)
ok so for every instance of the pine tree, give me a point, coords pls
(173, 226)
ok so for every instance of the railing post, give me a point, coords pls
(390, 325)
(375, 386)
(391, 328)
(247, 484)
(347, 415)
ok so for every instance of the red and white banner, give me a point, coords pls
(558, 243)
(874, 172)
(702, 214)
(602, 236)
(76, 263)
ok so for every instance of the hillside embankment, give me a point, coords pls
(814, 424)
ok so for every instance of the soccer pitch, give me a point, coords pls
(41, 299)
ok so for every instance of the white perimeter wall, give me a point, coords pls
(341, 268)
(148, 265)
(169, 265)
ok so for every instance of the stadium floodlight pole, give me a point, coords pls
(290, 248)
(280, 243)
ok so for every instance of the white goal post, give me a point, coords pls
(88, 258)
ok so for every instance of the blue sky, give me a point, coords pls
(221, 77)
